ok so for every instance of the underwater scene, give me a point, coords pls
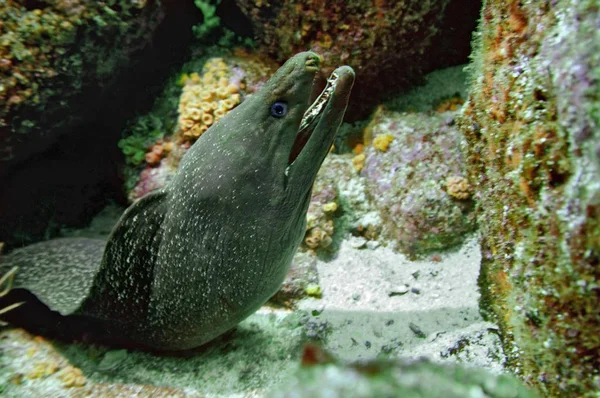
(300, 198)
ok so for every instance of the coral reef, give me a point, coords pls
(408, 165)
(376, 38)
(406, 184)
(532, 122)
(56, 58)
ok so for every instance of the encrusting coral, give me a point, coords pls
(458, 187)
(382, 142)
(72, 377)
(206, 99)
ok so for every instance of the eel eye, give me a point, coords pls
(279, 109)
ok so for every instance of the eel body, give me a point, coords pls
(186, 263)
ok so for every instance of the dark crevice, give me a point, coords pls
(77, 177)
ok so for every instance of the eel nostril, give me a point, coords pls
(313, 62)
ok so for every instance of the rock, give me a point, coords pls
(417, 330)
(56, 58)
(532, 124)
(388, 44)
(406, 180)
(358, 242)
(398, 291)
(372, 244)
(71, 74)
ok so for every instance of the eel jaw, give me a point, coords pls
(311, 118)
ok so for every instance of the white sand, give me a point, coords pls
(443, 311)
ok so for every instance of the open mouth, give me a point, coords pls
(311, 117)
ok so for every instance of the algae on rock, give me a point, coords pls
(56, 60)
(532, 123)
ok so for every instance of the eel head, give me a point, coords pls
(291, 131)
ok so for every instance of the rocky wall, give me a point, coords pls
(532, 123)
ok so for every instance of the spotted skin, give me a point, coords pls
(189, 262)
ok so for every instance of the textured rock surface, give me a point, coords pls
(338, 182)
(407, 170)
(71, 74)
(386, 42)
(56, 59)
(533, 127)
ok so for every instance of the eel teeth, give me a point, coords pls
(317, 106)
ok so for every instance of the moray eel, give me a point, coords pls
(187, 263)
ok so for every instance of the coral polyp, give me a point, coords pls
(205, 99)
(458, 187)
